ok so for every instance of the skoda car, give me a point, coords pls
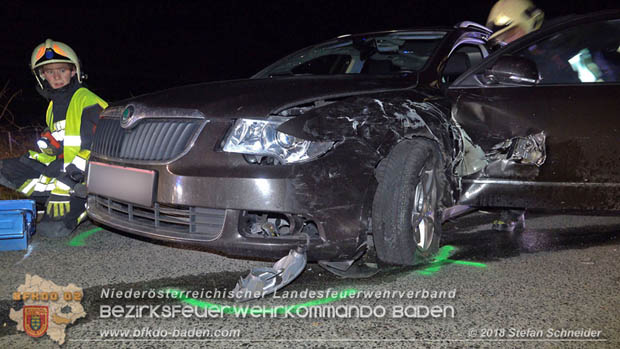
(385, 134)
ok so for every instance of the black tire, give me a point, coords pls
(410, 163)
(380, 171)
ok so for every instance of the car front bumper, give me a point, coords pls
(201, 195)
(226, 240)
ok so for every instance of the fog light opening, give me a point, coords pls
(269, 224)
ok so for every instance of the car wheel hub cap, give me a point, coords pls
(423, 213)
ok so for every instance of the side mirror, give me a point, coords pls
(512, 70)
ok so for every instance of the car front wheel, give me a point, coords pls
(406, 219)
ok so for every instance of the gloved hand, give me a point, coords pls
(48, 144)
(58, 204)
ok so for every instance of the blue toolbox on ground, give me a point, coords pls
(17, 224)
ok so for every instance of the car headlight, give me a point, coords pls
(261, 138)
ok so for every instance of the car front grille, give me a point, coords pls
(155, 140)
(186, 222)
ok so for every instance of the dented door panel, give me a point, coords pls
(582, 150)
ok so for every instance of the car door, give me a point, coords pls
(576, 103)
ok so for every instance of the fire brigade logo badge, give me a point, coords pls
(35, 320)
(47, 308)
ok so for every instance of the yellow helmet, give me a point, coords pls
(53, 52)
(510, 14)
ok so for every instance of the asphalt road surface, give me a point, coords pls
(555, 284)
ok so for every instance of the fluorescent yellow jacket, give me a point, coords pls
(68, 130)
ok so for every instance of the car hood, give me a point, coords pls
(262, 97)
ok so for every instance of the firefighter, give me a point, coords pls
(52, 175)
(512, 19)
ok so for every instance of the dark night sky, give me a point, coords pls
(138, 47)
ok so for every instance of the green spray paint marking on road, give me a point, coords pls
(442, 259)
(226, 309)
(80, 239)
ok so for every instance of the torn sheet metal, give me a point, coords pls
(510, 169)
(528, 150)
(473, 157)
(263, 281)
(505, 159)
(517, 158)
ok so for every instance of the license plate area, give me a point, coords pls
(127, 184)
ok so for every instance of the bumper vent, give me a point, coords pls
(150, 140)
(188, 223)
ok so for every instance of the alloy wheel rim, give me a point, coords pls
(423, 212)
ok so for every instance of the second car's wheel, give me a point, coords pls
(405, 217)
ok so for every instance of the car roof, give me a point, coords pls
(465, 26)
(395, 31)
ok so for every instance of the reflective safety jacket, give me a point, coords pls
(68, 130)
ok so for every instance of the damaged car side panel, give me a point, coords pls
(580, 123)
(381, 122)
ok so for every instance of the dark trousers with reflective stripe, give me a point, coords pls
(15, 171)
(18, 170)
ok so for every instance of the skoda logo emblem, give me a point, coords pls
(127, 114)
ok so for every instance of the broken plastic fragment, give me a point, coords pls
(263, 281)
(354, 269)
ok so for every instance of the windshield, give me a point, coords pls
(373, 55)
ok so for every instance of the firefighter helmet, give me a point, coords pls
(53, 52)
(507, 15)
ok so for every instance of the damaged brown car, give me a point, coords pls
(385, 134)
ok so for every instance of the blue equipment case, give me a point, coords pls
(17, 224)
